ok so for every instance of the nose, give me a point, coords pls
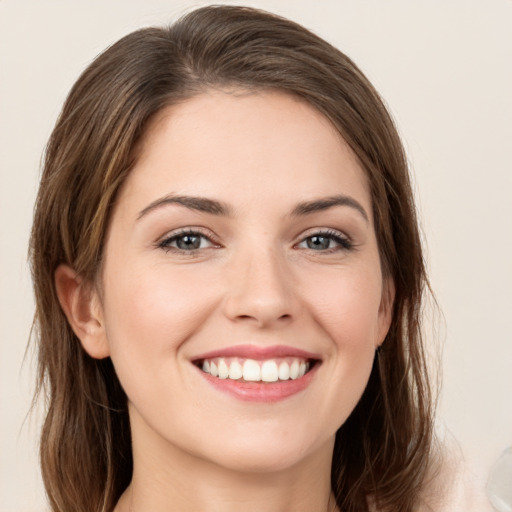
(260, 290)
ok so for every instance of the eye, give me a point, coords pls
(186, 241)
(326, 241)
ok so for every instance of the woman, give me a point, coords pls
(228, 278)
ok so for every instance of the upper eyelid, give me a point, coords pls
(324, 231)
(344, 242)
(173, 235)
(209, 235)
(192, 230)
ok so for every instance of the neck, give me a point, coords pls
(167, 479)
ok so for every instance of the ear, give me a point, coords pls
(82, 307)
(385, 310)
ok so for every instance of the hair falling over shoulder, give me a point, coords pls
(382, 452)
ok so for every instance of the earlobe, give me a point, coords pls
(386, 310)
(82, 307)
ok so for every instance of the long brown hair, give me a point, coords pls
(382, 451)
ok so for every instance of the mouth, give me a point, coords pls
(264, 374)
(252, 370)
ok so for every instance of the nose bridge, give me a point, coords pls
(260, 286)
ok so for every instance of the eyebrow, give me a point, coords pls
(213, 207)
(329, 202)
(201, 204)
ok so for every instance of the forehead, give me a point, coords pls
(236, 144)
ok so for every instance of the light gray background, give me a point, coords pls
(444, 68)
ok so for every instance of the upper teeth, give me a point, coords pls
(270, 370)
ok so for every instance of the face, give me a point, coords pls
(241, 253)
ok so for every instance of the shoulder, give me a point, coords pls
(454, 484)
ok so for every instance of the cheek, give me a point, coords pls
(346, 308)
(346, 305)
(149, 314)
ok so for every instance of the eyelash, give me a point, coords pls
(343, 243)
(165, 244)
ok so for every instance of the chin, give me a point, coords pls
(260, 461)
(268, 454)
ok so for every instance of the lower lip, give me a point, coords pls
(261, 391)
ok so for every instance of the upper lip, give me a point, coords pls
(258, 352)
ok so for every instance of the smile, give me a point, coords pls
(251, 370)
(259, 374)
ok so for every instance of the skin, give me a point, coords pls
(255, 279)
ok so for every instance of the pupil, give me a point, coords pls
(188, 242)
(318, 242)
